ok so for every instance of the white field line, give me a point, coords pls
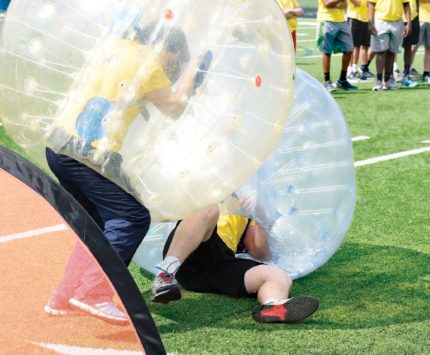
(62, 227)
(391, 156)
(32, 233)
(76, 350)
(360, 138)
(426, 142)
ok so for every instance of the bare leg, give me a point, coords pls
(427, 59)
(192, 231)
(326, 62)
(363, 55)
(269, 282)
(407, 58)
(380, 62)
(355, 55)
(389, 61)
(272, 286)
(346, 57)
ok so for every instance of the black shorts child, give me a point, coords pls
(213, 268)
(414, 35)
(360, 32)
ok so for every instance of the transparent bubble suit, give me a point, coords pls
(52, 52)
(305, 191)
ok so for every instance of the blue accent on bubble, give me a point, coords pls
(203, 69)
(89, 125)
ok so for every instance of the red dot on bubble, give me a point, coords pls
(258, 81)
(169, 14)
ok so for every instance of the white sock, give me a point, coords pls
(395, 67)
(354, 68)
(169, 265)
(349, 70)
(276, 301)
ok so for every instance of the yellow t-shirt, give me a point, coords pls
(288, 5)
(414, 10)
(331, 14)
(127, 71)
(388, 10)
(425, 12)
(230, 228)
(360, 13)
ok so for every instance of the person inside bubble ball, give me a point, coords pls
(200, 254)
(94, 122)
(122, 218)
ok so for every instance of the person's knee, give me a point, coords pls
(262, 274)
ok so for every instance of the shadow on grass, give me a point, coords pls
(363, 286)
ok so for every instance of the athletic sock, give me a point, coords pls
(379, 76)
(407, 70)
(276, 301)
(354, 68)
(426, 73)
(169, 265)
(364, 68)
(327, 76)
(387, 77)
(342, 75)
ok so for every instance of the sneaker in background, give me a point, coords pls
(413, 73)
(165, 289)
(408, 83)
(292, 310)
(366, 75)
(397, 75)
(345, 85)
(60, 306)
(426, 79)
(390, 85)
(354, 77)
(328, 85)
(106, 311)
(379, 86)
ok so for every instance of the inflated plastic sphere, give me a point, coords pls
(305, 191)
(91, 79)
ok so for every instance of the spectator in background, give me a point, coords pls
(410, 40)
(387, 31)
(424, 38)
(336, 37)
(291, 10)
(358, 19)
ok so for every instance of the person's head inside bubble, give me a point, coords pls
(175, 53)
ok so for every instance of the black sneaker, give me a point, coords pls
(292, 310)
(165, 289)
(345, 85)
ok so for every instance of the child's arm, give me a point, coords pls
(296, 12)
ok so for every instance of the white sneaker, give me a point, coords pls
(106, 311)
(329, 86)
(379, 86)
(397, 75)
(354, 77)
(390, 85)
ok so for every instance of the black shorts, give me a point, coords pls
(414, 36)
(213, 268)
(360, 32)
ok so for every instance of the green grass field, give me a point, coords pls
(375, 291)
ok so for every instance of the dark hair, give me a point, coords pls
(172, 37)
